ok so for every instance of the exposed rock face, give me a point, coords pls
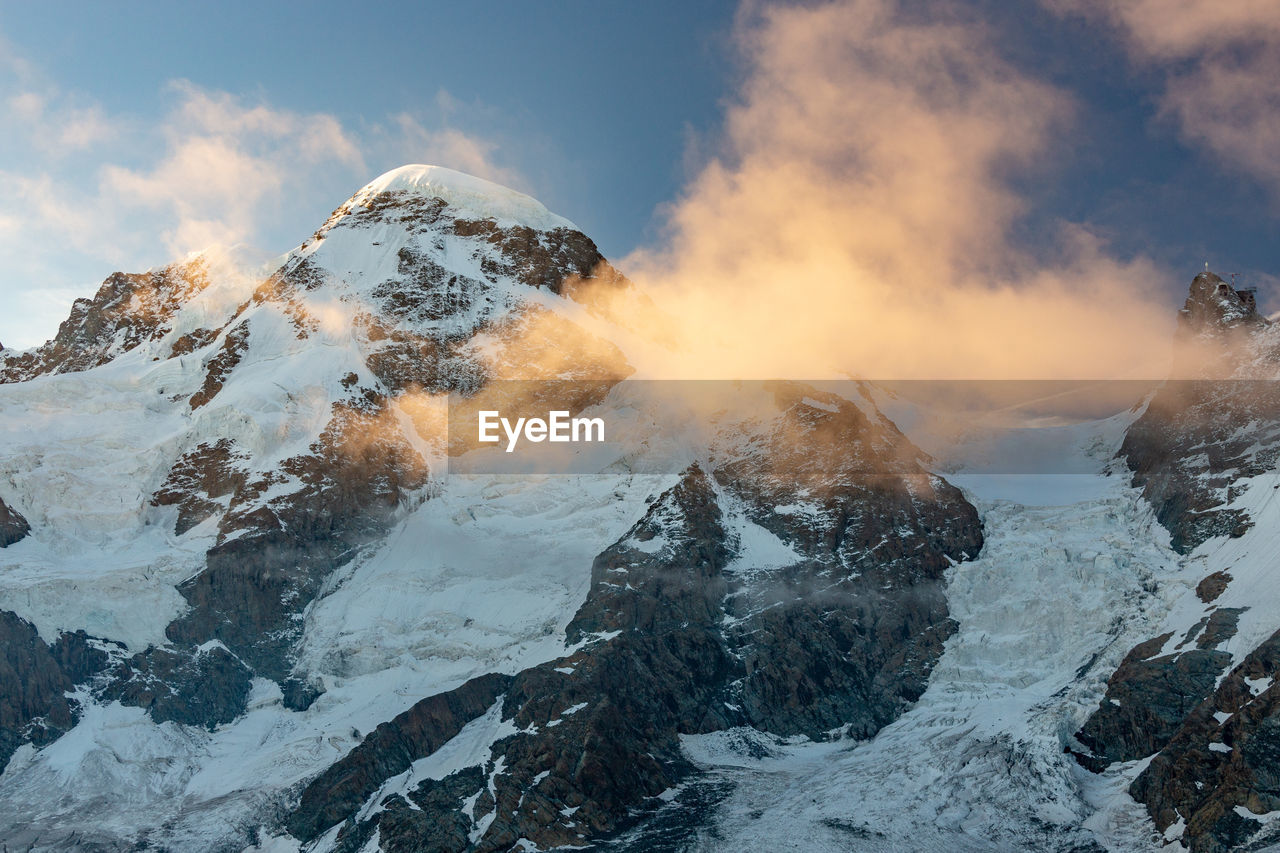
(13, 527)
(338, 793)
(1209, 732)
(848, 635)
(1187, 453)
(198, 479)
(1214, 307)
(1212, 586)
(418, 336)
(273, 554)
(1150, 695)
(220, 366)
(34, 680)
(127, 310)
(202, 687)
(1187, 450)
(1223, 766)
(681, 634)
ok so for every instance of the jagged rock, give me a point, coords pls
(34, 681)
(1148, 697)
(877, 534)
(404, 361)
(557, 259)
(13, 527)
(338, 793)
(192, 341)
(204, 686)
(198, 479)
(1212, 586)
(127, 310)
(1215, 307)
(1223, 764)
(1187, 453)
(431, 818)
(298, 694)
(223, 362)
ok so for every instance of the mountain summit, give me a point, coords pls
(1214, 305)
(468, 195)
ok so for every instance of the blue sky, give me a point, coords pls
(606, 111)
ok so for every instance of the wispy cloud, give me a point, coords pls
(1221, 62)
(58, 128)
(407, 139)
(225, 164)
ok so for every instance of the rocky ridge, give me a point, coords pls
(1197, 452)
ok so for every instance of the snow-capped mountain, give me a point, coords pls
(244, 604)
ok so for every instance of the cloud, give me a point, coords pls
(410, 141)
(57, 126)
(858, 217)
(1221, 62)
(224, 161)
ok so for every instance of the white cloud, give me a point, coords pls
(224, 162)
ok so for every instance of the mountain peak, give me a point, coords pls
(1213, 305)
(467, 194)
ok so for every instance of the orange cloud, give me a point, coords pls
(858, 218)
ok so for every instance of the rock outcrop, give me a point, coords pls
(1150, 694)
(13, 527)
(128, 310)
(1220, 773)
(1187, 450)
(36, 677)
